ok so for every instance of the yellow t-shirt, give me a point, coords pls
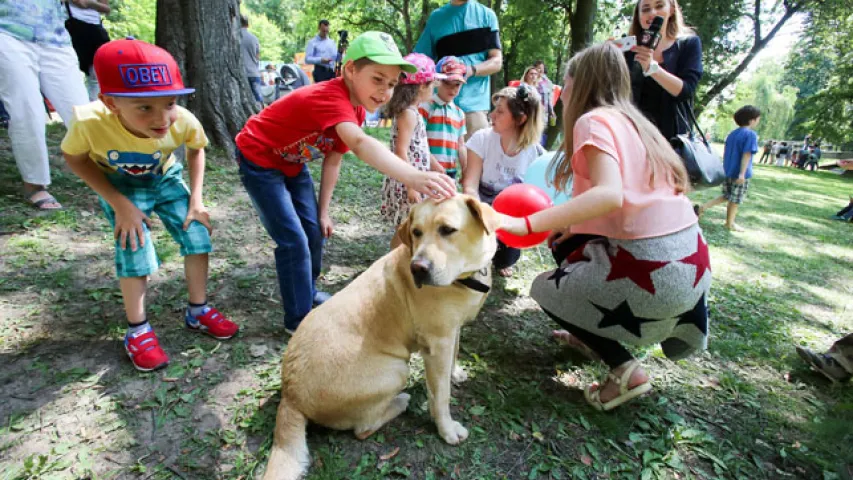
(97, 131)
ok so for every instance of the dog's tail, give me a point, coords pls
(289, 454)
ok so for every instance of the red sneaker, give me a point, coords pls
(145, 352)
(212, 323)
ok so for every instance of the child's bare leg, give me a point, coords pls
(711, 203)
(731, 213)
(195, 270)
(133, 294)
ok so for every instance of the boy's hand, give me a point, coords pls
(432, 184)
(129, 220)
(327, 227)
(741, 179)
(199, 214)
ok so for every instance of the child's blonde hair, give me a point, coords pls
(601, 80)
(523, 101)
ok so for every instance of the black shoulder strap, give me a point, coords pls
(68, 8)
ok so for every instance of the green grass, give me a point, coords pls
(71, 406)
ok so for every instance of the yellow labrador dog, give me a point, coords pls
(347, 364)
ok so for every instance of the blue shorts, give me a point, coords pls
(168, 197)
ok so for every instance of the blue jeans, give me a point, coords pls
(287, 207)
(255, 83)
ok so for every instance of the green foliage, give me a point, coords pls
(766, 90)
(132, 17)
(269, 36)
(823, 71)
(294, 25)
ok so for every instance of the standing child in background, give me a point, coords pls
(121, 146)
(812, 159)
(409, 136)
(768, 145)
(741, 145)
(782, 153)
(445, 121)
(321, 122)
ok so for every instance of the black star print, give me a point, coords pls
(623, 317)
(557, 275)
(697, 316)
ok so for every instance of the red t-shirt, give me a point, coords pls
(300, 127)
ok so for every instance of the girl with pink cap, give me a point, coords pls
(408, 136)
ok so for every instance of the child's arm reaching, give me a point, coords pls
(604, 197)
(128, 218)
(328, 179)
(197, 212)
(471, 175)
(463, 154)
(373, 153)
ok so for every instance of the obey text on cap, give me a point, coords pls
(145, 75)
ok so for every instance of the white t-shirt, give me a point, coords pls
(499, 169)
(88, 15)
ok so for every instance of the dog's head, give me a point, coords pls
(449, 238)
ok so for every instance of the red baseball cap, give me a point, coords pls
(133, 68)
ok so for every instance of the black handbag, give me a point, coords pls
(704, 166)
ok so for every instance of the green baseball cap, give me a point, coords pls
(379, 47)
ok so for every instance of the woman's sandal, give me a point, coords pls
(40, 203)
(573, 342)
(625, 395)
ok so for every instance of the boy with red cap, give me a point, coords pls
(121, 145)
(445, 121)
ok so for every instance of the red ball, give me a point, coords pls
(521, 200)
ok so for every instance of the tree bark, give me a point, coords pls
(204, 38)
(583, 21)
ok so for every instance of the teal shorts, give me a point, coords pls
(168, 197)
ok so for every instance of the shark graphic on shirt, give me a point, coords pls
(135, 164)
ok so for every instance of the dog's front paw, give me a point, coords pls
(453, 432)
(459, 375)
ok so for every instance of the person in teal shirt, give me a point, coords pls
(468, 30)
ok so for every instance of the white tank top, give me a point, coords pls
(87, 15)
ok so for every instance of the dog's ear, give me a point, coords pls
(485, 215)
(403, 233)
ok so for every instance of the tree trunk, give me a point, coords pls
(583, 22)
(204, 38)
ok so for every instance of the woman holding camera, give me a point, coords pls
(666, 75)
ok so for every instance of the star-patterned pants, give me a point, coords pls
(637, 292)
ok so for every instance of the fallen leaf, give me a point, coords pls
(170, 379)
(539, 437)
(390, 455)
(514, 436)
(258, 350)
(586, 460)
